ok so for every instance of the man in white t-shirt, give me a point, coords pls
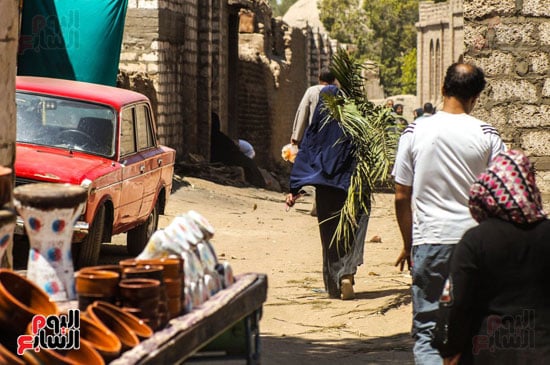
(437, 161)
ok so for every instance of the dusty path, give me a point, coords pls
(300, 325)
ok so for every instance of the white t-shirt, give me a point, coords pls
(440, 157)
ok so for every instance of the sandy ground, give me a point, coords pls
(299, 324)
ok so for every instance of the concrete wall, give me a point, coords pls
(9, 26)
(510, 40)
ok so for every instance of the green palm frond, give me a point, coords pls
(374, 135)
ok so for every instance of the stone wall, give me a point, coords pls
(510, 40)
(9, 25)
(439, 43)
(190, 58)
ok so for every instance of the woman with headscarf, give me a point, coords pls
(325, 160)
(495, 306)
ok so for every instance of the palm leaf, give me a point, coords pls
(374, 135)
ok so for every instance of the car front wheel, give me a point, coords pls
(138, 237)
(87, 252)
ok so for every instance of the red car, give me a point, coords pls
(104, 139)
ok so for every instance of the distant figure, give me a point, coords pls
(389, 104)
(417, 113)
(224, 150)
(398, 115)
(247, 148)
(309, 101)
(428, 109)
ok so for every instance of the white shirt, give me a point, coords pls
(440, 157)
(305, 111)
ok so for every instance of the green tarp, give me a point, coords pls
(72, 39)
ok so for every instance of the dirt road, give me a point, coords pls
(299, 324)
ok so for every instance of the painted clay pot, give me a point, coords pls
(7, 225)
(49, 212)
(20, 301)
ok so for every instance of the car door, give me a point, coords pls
(151, 154)
(133, 171)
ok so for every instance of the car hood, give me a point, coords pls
(58, 165)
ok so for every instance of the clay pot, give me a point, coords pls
(154, 272)
(20, 300)
(7, 357)
(172, 267)
(90, 281)
(174, 307)
(173, 288)
(135, 289)
(137, 325)
(127, 263)
(101, 338)
(84, 300)
(112, 267)
(127, 337)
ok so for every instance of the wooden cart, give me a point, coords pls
(227, 323)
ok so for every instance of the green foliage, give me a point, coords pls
(392, 23)
(408, 76)
(280, 7)
(346, 22)
(374, 136)
(382, 31)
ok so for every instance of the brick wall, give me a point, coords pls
(510, 40)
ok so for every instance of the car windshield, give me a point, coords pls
(65, 123)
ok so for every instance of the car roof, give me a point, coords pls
(109, 95)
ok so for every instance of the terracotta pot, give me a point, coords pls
(100, 337)
(112, 267)
(20, 300)
(172, 267)
(139, 288)
(127, 263)
(7, 357)
(173, 288)
(174, 307)
(84, 300)
(89, 281)
(154, 272)
(137, 325)
(126, 336)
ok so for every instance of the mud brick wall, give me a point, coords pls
(9, 25)
(510, 40)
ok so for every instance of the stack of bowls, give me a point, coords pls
(92, 284)
(101, 338)
(173, 281)
(141, 298)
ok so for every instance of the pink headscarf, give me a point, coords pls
(507, 190)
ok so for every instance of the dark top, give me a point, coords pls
(326, 154)
(498, 310)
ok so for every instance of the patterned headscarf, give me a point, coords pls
(507, 190)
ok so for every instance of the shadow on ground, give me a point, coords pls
(396, 349)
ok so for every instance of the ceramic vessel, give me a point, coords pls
(49, 212)
(20, 301)
(127, 337)
(86, 354)
(89, 281)
(134, 323)
(100, 337)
